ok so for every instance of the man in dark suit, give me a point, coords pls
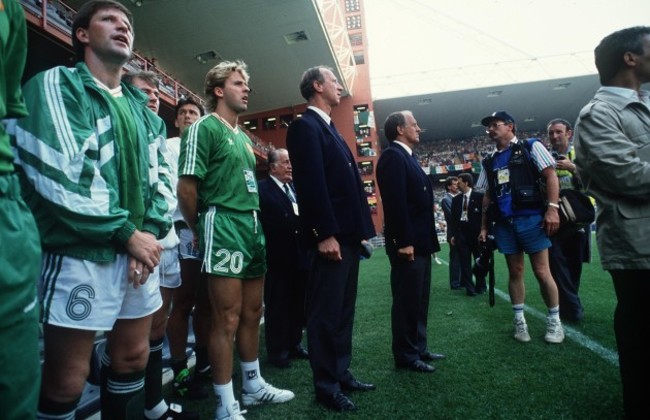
(335, 218)
(466, 214)
(451, 187)
(410, 240)
(286, 275)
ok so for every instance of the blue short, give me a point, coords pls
(521, 233)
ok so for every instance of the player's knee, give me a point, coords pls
(131, 359)
(182, 308)
(227, 321)
(252, 315)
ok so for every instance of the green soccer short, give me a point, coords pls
(232, 243)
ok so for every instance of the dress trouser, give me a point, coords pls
(468, 251)
(454, 267)
(284, 309)
(410, 283)
(565, 258)
(631, 320)
(331, 298)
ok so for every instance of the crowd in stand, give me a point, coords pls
(459, 151)
(472, 149)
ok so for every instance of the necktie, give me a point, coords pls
(336, 131)
(342, 142)
(289, 193)
(464, 203)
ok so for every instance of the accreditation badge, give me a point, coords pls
(249, 178)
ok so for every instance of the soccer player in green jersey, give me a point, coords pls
(95, 179)
(217, 194)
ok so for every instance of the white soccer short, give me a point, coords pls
(169, 269)
(88, 295)
(186, 249)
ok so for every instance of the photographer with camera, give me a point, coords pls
(522, 220)
(464, 231)
(568, 251)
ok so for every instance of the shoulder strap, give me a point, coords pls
(527, 152)
(489, 173)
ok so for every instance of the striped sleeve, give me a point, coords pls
(542, 158)
(193, 155)
(57, 147)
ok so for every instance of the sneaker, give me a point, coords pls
(267, 394)
(175, 412)
(234, 413)
(521, 331)
(185, 387)
(554, 331)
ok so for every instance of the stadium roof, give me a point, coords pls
(278, 40)
(458, 114)
(487, 71)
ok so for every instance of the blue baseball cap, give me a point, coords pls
(498, 115)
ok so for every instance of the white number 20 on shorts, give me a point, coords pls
(233, 262)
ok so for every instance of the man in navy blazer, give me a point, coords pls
(464, 231)
(286, 275)
(335, 218)
(409, 229)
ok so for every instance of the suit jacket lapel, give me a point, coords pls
(410, 158)
(338, 139)
(281, 195)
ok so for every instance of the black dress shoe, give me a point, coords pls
(418, 366)
(355, 385)
(337, 401)
(299, 352)
(428, 356)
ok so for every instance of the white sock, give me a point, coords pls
(518, 310)
(554, 313)
(251, 378)
(225, 398)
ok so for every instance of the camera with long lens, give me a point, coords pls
(482, 263)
